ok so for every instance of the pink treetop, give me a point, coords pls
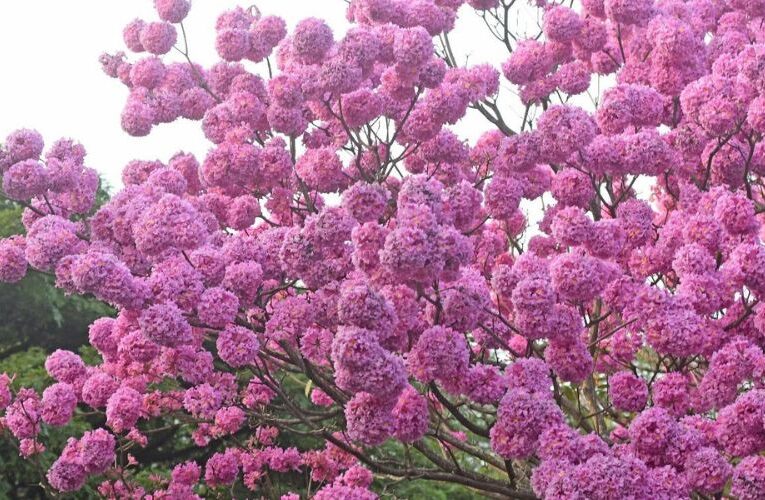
(567, 307)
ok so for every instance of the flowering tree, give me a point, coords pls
(342, 265)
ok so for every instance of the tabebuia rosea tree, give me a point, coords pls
(566, 308)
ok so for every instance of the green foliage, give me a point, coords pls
(35, 313)
(10, 218)
(418, 488)
(28, 369)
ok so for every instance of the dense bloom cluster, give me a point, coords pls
(575, 298)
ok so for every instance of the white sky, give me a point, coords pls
(52, 80)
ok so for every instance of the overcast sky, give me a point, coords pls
(52, 80)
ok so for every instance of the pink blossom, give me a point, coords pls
(157, 38)
(627, 392)
(123, 409)
(237, 346)
(172, 11)
(58, 403)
